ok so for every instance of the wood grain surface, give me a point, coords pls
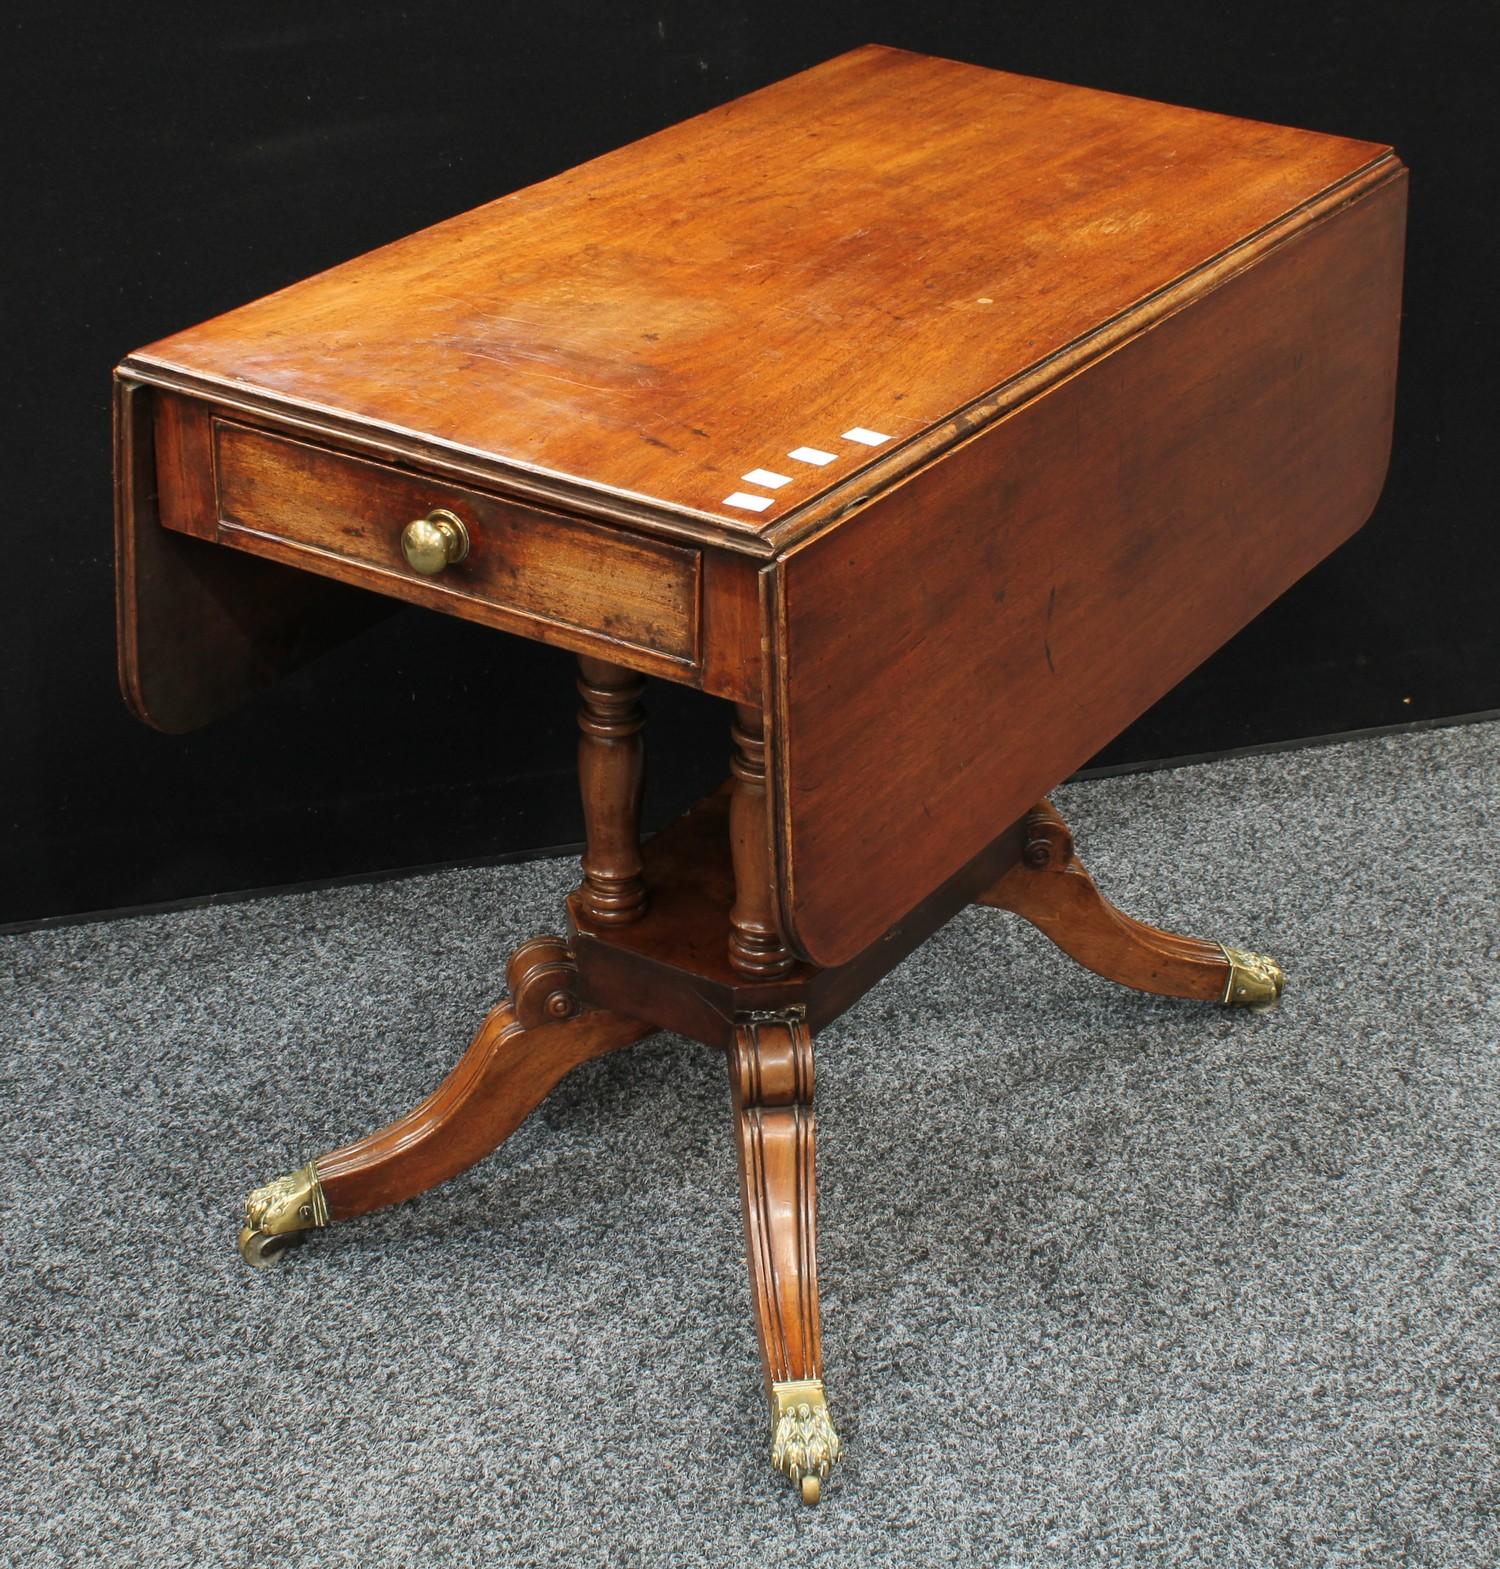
(878, 243)
(947, 655)
(536, 572)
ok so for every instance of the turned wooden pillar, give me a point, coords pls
(755, 946)
(611, 768)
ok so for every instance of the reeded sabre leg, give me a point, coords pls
(771, 1087)
(1049, 887)
(526, 1045)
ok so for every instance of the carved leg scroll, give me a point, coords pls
(771, 1084)
(1050, 888)
(526, 1045)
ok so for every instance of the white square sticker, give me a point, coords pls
(767, 477)
(869, 438)
(810, 455)
(748, 502)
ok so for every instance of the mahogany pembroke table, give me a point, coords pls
(938, 420)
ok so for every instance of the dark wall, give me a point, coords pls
(170, 161)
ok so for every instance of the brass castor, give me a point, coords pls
(278, 1215)
(804, 1445)
(1255, 979)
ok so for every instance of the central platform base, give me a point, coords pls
(674, 968)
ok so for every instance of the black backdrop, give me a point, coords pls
(169, 161)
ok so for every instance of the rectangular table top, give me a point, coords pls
(745, 320)
(979, 409)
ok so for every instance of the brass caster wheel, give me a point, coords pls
(260, 1251)
(279, 1214)
(804, 1445)
(1255, 980)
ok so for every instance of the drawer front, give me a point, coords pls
(531, 571)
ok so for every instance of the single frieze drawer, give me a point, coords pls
(441, 544)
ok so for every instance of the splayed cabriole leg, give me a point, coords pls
(526, 1045)
(1050, 888)
(771, 1085)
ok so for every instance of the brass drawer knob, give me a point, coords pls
(434, 542)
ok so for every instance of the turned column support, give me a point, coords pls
(756, 949)
(611, 771)
(771, 1087)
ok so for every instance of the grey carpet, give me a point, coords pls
(1107, 1279)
